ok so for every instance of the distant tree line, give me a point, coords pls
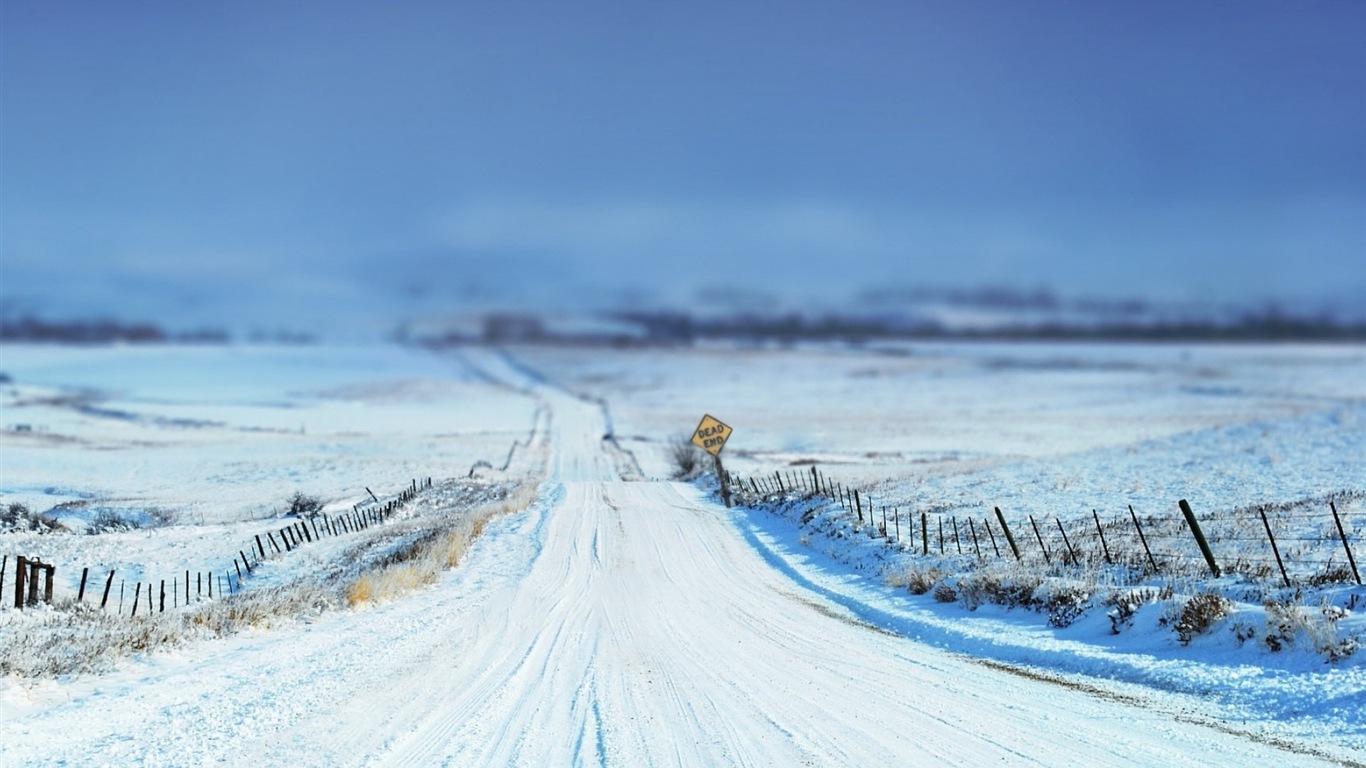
(102, 331)
(682, 328)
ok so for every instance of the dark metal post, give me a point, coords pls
(1039, 536)
(1355, 573)
(1274, 550)
(1105, 547)
(1143, 539)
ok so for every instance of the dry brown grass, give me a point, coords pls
(423, 563)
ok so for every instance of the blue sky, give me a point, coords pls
(208, 156)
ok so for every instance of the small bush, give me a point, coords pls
(945, 593)
(303, 505)
(17, 517)
(1066, 604)
(1123, 605)
(916, 580)
(162, 517)
(687, 459)
(108, 520)
(1200, 613)
(919, 582)
(1285, 621)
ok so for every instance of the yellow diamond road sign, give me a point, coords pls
(711, 435)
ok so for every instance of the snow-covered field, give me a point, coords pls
(635, 623)
(190, 451)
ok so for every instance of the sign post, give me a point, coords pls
(711, 436)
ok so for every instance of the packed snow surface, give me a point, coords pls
(641, 623)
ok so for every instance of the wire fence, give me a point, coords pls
(1308, 542)
(32, 582)
(150, 595)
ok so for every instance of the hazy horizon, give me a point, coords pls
(208, 162)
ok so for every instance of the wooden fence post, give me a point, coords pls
(4, 566)
(162, 609)
(244, 561)
(107, 584)
(20, 574)
(259, 548)
(80, 595)
(958, 542)
(1355, 573)
(721, 478)
(975, 546)
(1010, 539)
(34, 566)
(858, 505)
(51, 571)
(1274, 550)
(137, 596)
(1199, 537)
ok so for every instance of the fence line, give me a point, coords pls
(294, 535)
(1261, 542)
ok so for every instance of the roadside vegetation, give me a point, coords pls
(1247, 606)
(384, 563)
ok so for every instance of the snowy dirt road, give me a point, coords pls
(614, 623)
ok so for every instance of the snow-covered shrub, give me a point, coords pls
(686, 458)
(1285, 621)
(108, 520)
(303, 505)
(918, 581)
(1009, 588)
(160, 517)
(945, 593)
(1065, 603)
(1126, 602)
(1199, 613)
(17, 517)
(77, 638)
